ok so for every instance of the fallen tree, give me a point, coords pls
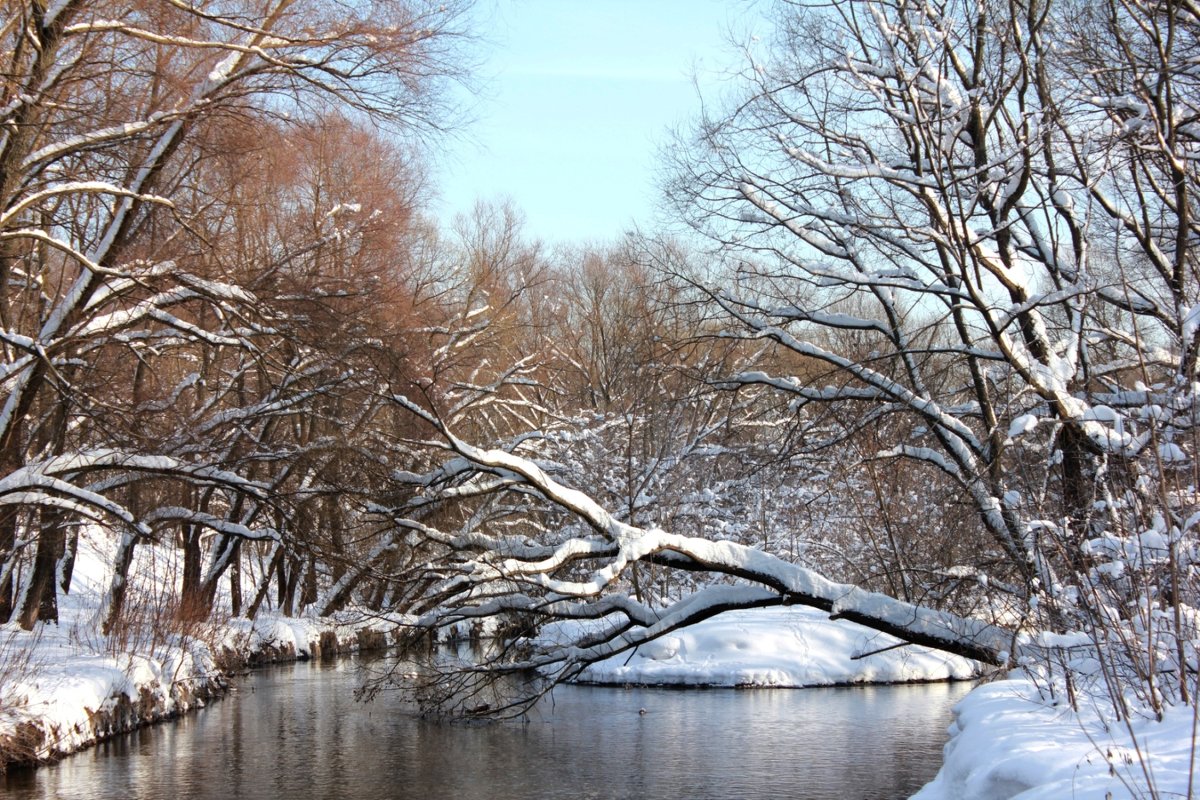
(514, 584)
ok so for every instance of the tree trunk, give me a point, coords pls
(225, 554)
(40, 601)
(8, 555)
(66, 564)
(308, 585)
(10, 461)
(235, 581)
(264, 585)
(119, 587)
(289, 576)
(191, 602)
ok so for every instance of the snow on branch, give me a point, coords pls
(178, 514)
(535, 584)
(52, 481)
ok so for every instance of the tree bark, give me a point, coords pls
(40, 600)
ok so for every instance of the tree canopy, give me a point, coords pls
(926, 359)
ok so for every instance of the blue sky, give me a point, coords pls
(576, 103)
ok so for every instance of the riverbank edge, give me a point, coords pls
(855, 684)
(31, 738)
(1018, 737)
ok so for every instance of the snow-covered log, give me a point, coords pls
(485, 580)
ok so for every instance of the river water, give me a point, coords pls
(296, 731)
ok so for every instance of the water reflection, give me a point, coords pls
(296, 730)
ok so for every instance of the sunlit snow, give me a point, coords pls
(785, 647)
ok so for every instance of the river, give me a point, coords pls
(296, 731)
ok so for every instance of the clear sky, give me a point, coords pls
(577, 98)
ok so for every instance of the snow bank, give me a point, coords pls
(783, 647)
(66, 686)
(60, 692)
(1009, 743)
(273, 637)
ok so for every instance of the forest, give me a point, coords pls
(922, 352)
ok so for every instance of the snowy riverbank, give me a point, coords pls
(1009, 740)
(66, 686)
(781, 647)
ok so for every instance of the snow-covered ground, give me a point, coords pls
(60, 692)
(64, 686)
(1010, 740)
(785, 647)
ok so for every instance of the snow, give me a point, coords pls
(1191, 324)
(1010, 741)
(67, 681)
(1171, 453)
(1022, 425)
(76, 686)
(782, 647)
(73, 685)
(221, 72)
(58, 678)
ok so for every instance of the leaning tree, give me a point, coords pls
(971, 225)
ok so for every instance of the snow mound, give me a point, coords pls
(59, 694)
(1009, 743)
(780, 647)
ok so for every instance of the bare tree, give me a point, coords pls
(579, 572)
(1003, 193)
(962, 234)
(112, 114)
